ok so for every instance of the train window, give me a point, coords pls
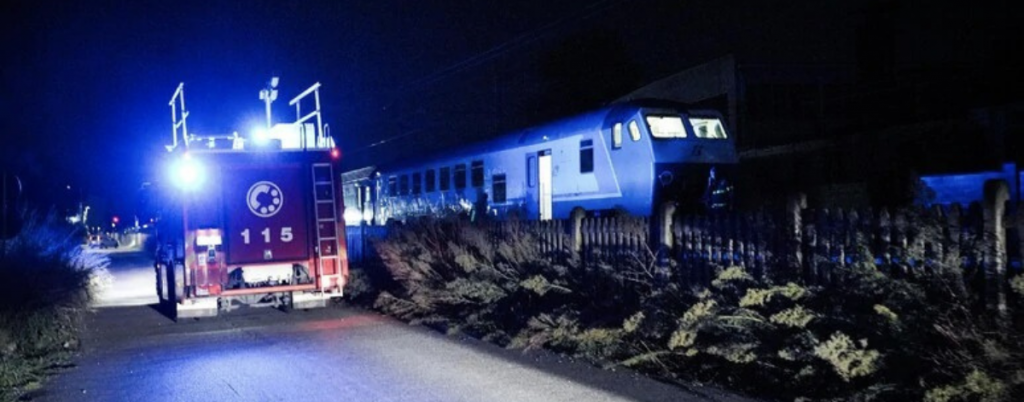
(704, 127)
(634, 130)
(531, 171)
(666, 126)
(431, 181)
(460, 176)
(586, 156)
(498, 187)
(446, 178)
(417, 183)
(477, 171)
(392, 186)
(403, 184)
(617, 136)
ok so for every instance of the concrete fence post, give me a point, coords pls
(795, 206)
(666, 215)
(997, 192)
(666, 241)
(576, 226)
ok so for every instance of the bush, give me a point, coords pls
(46, 280)
(361, 287)
(864, 335)
(491, 280)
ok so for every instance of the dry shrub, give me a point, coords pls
(490, 279)
(862, 335)
(865, 336)
(46, 281)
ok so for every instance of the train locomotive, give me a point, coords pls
(631, 158)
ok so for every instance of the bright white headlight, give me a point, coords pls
(260, 136)
(187, 173)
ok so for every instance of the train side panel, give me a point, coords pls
(601, 162)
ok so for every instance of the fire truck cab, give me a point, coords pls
(251, 220)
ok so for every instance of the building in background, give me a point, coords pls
(844, 139)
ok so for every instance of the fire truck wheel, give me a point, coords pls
(286, 303)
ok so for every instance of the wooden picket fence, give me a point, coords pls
(812, 242)
(702, 244)
(614, 235)
(808, 243)
(985, 241)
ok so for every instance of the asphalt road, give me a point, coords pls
(132, 280)
(340, 353)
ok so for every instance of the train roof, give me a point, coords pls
(554, 130)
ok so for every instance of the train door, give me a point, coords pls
(544, 184)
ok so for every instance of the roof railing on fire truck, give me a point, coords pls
(307, 132)
(178, 97)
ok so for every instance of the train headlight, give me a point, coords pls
(187, 173)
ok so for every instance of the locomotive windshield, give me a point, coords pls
(705, 127)
(666, 126)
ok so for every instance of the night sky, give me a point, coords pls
(84, 85)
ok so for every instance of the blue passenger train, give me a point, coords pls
(631, 157)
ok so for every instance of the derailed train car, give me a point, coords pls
(626, 158)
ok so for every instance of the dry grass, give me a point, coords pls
(46, 280)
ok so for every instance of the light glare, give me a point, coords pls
(187, 173)
(260, 136)
(352, 216)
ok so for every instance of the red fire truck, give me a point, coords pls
(252, 220)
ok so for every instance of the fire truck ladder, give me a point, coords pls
(326, 225)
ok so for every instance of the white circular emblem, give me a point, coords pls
(264, 199)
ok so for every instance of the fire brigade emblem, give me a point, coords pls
(264, 199)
